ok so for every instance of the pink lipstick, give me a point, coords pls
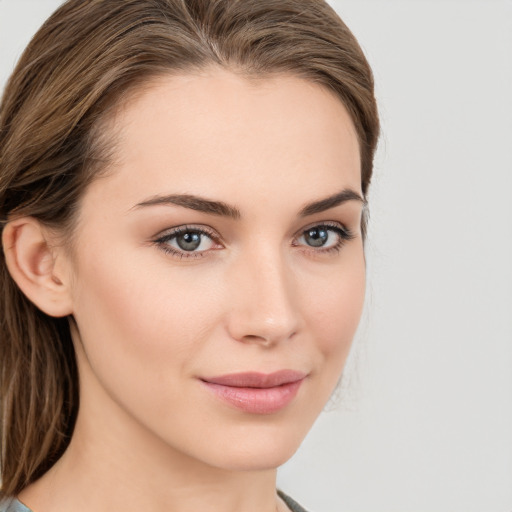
(257, 393)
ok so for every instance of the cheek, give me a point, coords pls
(334, 309)
(139, 317)
(142, 329)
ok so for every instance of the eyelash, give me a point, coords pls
(163, 241)
(343, 233)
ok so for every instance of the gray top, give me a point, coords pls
(291, 504)
(13, 505)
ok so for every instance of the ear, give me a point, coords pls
(37, 267)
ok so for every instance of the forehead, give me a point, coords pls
(220, 134)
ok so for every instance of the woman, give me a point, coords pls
(183, 188)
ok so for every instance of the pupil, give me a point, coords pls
(189, 241)
(316, 237)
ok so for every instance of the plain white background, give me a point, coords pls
(424, 420)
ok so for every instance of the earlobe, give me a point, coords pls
(32, 263)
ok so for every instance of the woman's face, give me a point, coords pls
(218, 275)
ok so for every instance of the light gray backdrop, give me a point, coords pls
(424, 422)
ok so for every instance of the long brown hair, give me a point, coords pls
(77, 68)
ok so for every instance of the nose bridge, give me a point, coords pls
(264, 306)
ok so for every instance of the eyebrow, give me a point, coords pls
(223, 209)
(192, 202)
(331, 202)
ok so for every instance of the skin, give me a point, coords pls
(256, 296)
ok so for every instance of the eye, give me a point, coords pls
(318, 237)
(191, 241)
(186, 242)
(324, 237)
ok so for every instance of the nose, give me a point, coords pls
(263, 301)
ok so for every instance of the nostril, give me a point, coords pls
(269, 338)
(262, 340)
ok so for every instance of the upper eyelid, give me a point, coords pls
(327, 224)
(169, 232)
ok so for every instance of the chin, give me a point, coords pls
(257, 448)
(258, 460)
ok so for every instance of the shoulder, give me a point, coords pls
(290, 503)
(12, 505)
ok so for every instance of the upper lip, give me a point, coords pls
(256, 379)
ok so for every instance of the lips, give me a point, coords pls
(257, 380)
(254, 392)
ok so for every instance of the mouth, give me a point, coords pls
(256, 393)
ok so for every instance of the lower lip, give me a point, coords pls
(256, 400)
